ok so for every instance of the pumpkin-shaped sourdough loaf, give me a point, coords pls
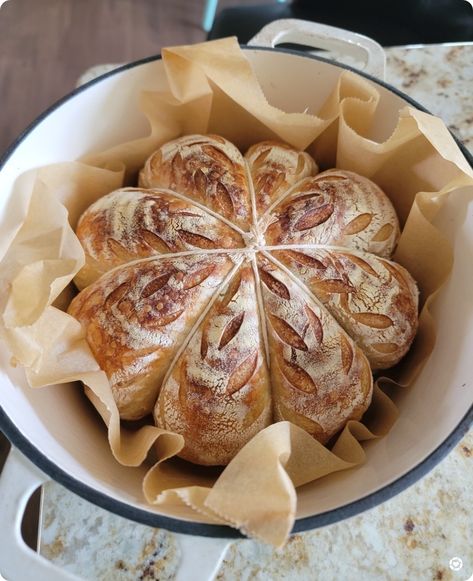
(229, 292)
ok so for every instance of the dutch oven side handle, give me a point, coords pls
(18, 480)
(200, 560)
(344, 42)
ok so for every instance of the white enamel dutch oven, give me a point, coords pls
(51, 426)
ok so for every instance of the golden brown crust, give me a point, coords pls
(208, 325)
(136, 316)
(338, 208)
(320, 378)
(218, 394)
(274, 168)
(133, 223)
(373, 299)
(207, 168)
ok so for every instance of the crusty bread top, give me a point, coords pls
(132, 223)
(217, 394)
(207, 168)
(373, 299)
(292, 297)
(274, 168)
(319, 374)
(338, 208)
(137, 315)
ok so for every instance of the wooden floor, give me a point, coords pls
(45, 45)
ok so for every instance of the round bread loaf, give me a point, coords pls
(229, 292)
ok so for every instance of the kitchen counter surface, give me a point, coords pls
(424, 533)
(439, 77)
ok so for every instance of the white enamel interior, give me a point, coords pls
(57, 419)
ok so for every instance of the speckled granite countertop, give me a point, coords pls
(425, 533)
(439, 77)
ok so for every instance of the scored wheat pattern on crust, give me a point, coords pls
(309, 294)
(137, 316)
(209, 169)
(220, 372)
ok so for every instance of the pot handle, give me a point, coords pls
(200, 556)
(18, 480)
(327, 37)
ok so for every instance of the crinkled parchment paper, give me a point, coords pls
(212, 88)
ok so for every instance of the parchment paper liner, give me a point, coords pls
(212, 88)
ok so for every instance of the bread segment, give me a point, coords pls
(274, 168)
(338, 208)
(136, 316)
(373, 299)
(207, 168)
(320, 378)
(217, 394)
(132, 223)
